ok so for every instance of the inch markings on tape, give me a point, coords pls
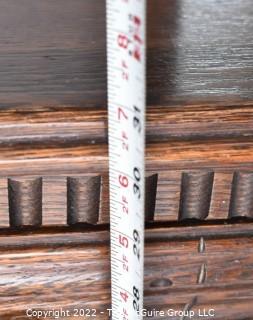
(126, 65)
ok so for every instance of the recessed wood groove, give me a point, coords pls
(150, 196)
(188, 307)
(95, 234)
(241, 201)
(83, 199)
(202, 274)
(201, 245)
(25, 202)
(196, 193)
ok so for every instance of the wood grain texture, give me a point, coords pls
(53, 52)
(200, 43)
(43, 263)
(54, 141)
(53, 129)
(171, 196)
(25, 202)
(160, 157)
(83, 199)
(195, 195)
(65, 126)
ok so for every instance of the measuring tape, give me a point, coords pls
(126, 61)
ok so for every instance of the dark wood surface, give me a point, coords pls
(53, 124)
(180, 155)
(171, 196)
(203, 272)
(62, 142)
(53, 52)
(63, 126)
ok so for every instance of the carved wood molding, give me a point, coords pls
(83, 198)
(72, 126)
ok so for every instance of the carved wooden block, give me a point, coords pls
(170, 196)
(83, 199)
(25, 202)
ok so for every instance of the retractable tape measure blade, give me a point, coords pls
(126, 62)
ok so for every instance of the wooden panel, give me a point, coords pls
(180, 155)
(65, 126)
(66, 142)
(196, 50)
(171, 196)
(53, 52)
(54, 201)
(174, 272)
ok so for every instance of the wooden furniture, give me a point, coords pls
(53, 152)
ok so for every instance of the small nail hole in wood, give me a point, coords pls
(161, 283)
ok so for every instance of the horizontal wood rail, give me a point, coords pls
(73, 126)
(203, 272)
